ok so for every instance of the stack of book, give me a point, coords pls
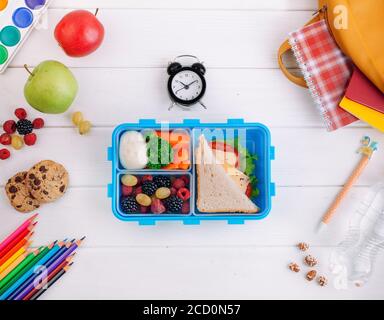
(364, 100)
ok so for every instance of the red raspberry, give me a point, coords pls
(38, 123)
(173, 191)
(157, 206)
(183, 194)
(126, 191)
(186, 208)
(9, 126)
(146, 178)
(178, 183)
(144, 209)
(30, 139)
(185, 179)
(137, 191)
(5, 139)
(4, 154)
(20, 113)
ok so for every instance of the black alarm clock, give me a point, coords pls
(186, 84)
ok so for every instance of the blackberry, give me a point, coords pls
(129, 205)
(162, 181)
(24, 127)
(149, 188)
(173, 204)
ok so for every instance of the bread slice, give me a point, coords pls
(216, 191)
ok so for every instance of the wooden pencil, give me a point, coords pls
(13, 266)
(52, 267)
(14, 234)
(30, 275)
(13, 276)
(63, 247)
(46, 280)
(51, 282)
(4, 265)
(17, 247)
(24, 234)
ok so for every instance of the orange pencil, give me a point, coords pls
(16, 248)
(19, 230)
(14, 257)
(13, 266)
(16, 240)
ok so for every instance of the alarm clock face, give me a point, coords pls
(186, 86)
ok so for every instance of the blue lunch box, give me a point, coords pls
(258, 142)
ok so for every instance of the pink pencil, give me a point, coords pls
(19, 230)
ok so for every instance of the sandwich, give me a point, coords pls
(218, 191)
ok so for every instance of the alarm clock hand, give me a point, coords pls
(185, 85)
(191, 83)
(180, 89)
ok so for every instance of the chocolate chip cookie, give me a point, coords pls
(47, 181)
(19, 195)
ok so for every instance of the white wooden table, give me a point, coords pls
(124, 81)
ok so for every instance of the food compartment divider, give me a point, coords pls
(117, 190)
(147, 125)
(261, 165)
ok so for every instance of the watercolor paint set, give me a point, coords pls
(191, 171)
(17, 19)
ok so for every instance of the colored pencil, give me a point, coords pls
(16, 240)
(52, 267)
(23, 243)
(51, 282)
(46, 280)
(4, 265)
(14, 234)
(64, 247)
(13, 266)
(19, 267)
(30, 275)
(12, 279)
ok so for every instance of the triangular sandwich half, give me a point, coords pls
(216, 190)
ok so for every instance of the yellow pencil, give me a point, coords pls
(17, 254)
(13, 266)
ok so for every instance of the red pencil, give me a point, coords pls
(50, 276)
(16, 248)
(16, 240)
(15, 233)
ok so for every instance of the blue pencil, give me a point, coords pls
(61, 248)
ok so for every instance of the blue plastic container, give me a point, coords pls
(258, 141)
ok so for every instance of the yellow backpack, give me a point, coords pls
(358, 28)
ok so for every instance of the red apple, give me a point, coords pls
(79, 33)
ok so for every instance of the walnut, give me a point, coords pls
(311, 275)
(303, 246)
(310, 261)
(322, 281)
(294, 267)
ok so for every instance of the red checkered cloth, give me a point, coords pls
(326, 70)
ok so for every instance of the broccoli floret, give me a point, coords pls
(159, 152)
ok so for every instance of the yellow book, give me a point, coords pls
(368, 115)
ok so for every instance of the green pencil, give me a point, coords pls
(20, 266)
(12, 279)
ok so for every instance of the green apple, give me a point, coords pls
(51, 87)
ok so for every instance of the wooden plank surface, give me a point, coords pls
(124, 81)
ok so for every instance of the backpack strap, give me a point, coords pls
(285, 47)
